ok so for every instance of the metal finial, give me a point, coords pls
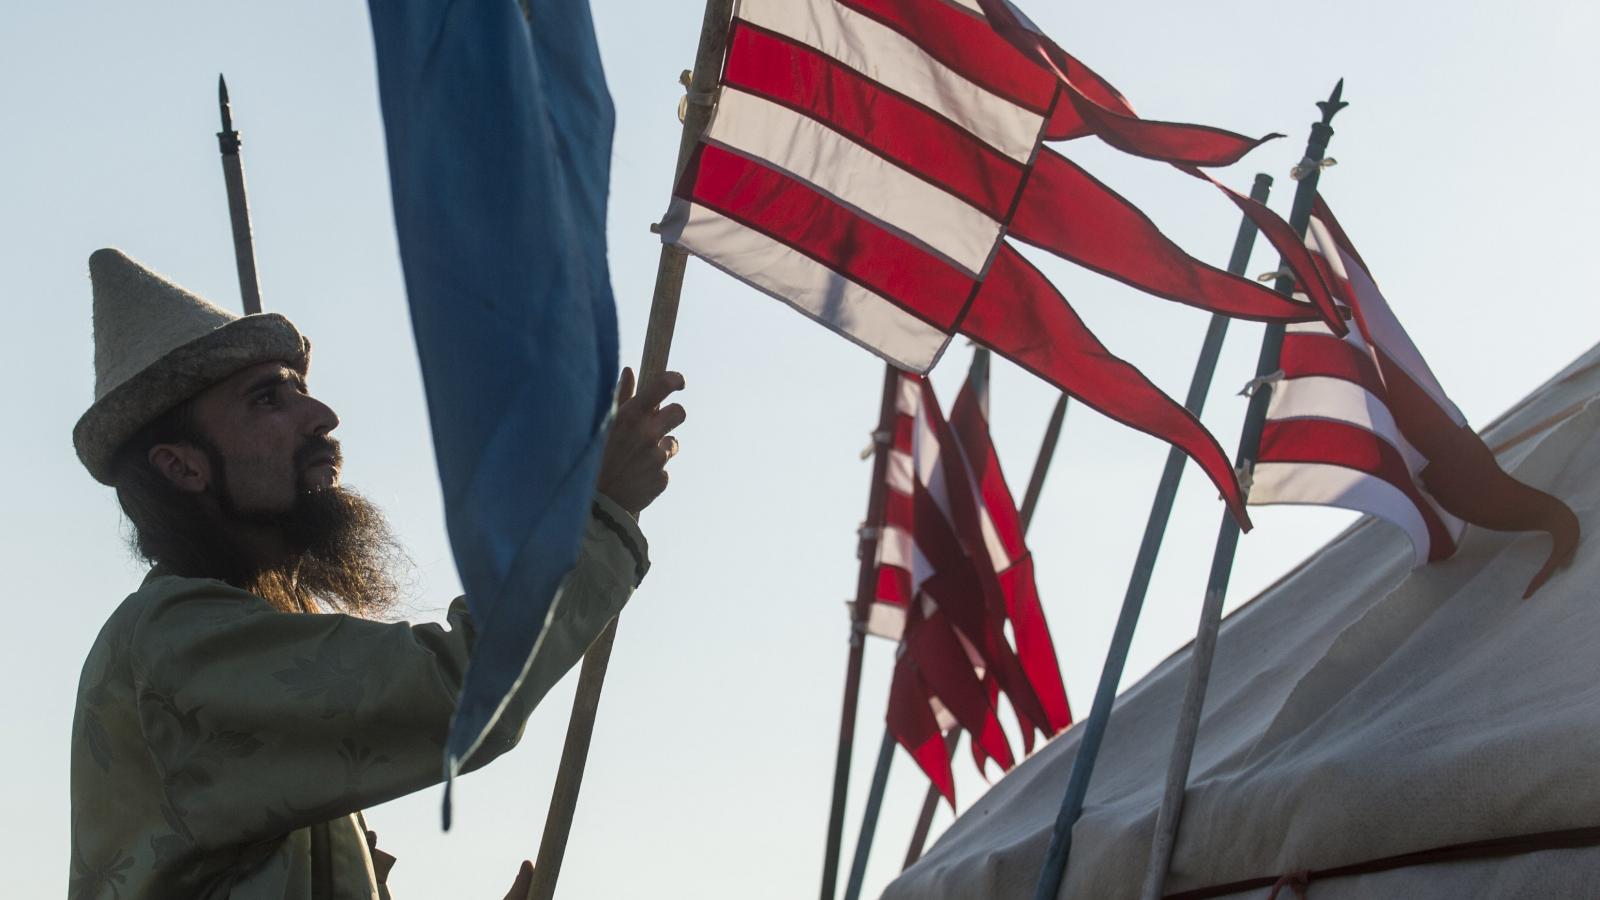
(978, 372)
(222, 103)
(1331, 106)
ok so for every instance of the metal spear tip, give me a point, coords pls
(222, 103)
(978, 371)
(1331, 106)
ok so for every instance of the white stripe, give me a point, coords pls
(856, 177)
(1337, 400)
(930, 470)
(805, 284)
(897, 548)
(908, 399)
(901, 475)
(1317, 327)
(1319, 240)
(890, 59)
(886, 620)
(1325, 485)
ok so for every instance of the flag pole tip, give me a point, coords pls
(1335, 102)
(222, 103)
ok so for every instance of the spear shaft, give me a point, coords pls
(866, 588)
(1205, 641)
(1155, 529)
(657, 347)
(244, 251)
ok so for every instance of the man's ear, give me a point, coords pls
(184, 465)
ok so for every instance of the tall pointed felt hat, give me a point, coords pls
(157, 345)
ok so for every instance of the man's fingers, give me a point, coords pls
(654, 391)
(668, 418)
(523, 884)
(669, 445)
(625, 386)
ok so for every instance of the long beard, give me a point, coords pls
(341, 555)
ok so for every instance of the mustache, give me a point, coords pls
(319, 447)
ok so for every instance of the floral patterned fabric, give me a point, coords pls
(223, 749)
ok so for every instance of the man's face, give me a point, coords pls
(272, 435)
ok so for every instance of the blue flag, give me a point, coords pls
(499, 139)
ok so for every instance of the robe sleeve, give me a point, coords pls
(261, 721)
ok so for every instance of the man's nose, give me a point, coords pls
(323, 418)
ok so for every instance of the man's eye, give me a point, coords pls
(268, 399)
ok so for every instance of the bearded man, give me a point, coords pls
(239, 710)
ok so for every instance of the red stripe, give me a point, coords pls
(1311, 355)
(972, 431)
(1035, 648)
(1099, 109)
(967, 45)
(898, 510)
(1095, 107)
(795, 214)
(903, 437)
(1290, 245)
(1067, 211)
(1466, 480)
(1020, 315)
(1066, 122)
(1341, 444)
(964, 582)
(911, 721)
(1172, 142)
(894, 586)
(932, 647)
(898, 129)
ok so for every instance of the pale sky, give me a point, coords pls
(1463, 178)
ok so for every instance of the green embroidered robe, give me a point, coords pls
(223, 749)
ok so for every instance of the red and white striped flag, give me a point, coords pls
(1361, 423)
(870, 162)
(1007, 553)
(952, 570)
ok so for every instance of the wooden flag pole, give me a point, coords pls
(657, 346)
(244, 250)
(866, 590)
(1030, 502)
(1094, 728)
(1205, 641)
